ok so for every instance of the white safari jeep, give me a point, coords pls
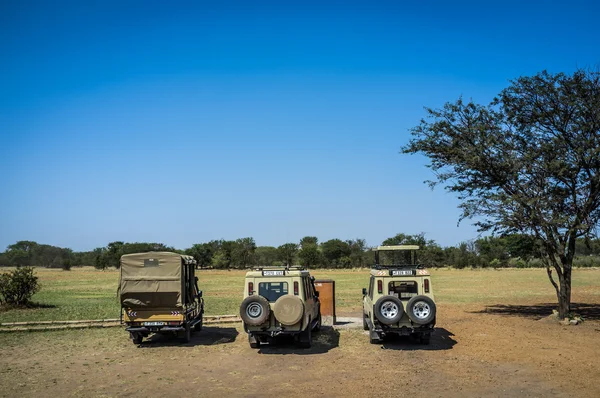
(399, 299)
(280, 301)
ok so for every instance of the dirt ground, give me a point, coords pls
(476, 351)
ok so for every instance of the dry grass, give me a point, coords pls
(87, 293)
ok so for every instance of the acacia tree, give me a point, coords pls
(528, 162)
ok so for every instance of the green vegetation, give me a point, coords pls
(509, 250)
(17, 287)
(86, 293)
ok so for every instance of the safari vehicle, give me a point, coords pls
(159, 294)
(399, 299)
(280, 301)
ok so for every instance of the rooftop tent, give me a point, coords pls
(156, 280)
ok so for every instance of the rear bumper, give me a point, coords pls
(153, 329)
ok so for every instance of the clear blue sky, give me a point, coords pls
(182, 122)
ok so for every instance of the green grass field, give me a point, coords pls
(91, 294)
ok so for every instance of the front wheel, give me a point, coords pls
(198, 326)
(253, 341)
(137, 338)
(305, 338)
(375, 338)
(318, 324)
(187, 333)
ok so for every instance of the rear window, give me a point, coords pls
(403, 289)
(272, 290)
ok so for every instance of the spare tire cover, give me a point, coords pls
(288, 309)
(255, 310)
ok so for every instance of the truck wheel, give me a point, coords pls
(318, 325)
(389, 310)
(255, 310)
(198, 326)
(374, 338)
(365, 324)
(254, 343)
(305, 338)
(187, 333)
(137, 338)
(421, 310)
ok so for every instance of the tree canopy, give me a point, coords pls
(528, 162)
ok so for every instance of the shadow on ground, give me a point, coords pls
(539, 311)
(323, 341)
(441, 339)
(207, 336)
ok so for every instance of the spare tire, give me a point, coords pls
(288, 309)
(388, 310)
(421, 310)
(255, 310)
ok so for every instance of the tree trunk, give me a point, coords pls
(564, 293)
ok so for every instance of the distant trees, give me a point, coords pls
(309, 254)
(286, 253)
(511, 250)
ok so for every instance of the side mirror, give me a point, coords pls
(316, 293)
(364, 291)
(200, 294)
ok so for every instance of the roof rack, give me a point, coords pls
(280, 267)
(397, 266)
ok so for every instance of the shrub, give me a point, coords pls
(17, 287)
(66, 264)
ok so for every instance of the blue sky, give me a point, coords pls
(182, 122)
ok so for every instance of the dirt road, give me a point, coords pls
(476, 351)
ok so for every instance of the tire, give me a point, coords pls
(255, 310)
(365, 324)
(305, 338)
(253, 341)
(137, 338)
(389, 310)
(421, 310)
(198, 326)
(289, 310)
(318, 324)
(187, 333)
(374, 338)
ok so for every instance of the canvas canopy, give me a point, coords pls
(156, 280)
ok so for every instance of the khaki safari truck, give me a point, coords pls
(280, 301)
(159, 294)
(399, 299)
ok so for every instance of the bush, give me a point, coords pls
(17, 287)
(66, 264)
(586, 261)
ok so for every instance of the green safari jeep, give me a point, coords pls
(399, 299)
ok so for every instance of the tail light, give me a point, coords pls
(426, 285)
(250, 288)
(295, 288)
(380, 286)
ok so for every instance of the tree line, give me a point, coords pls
(511, 250)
